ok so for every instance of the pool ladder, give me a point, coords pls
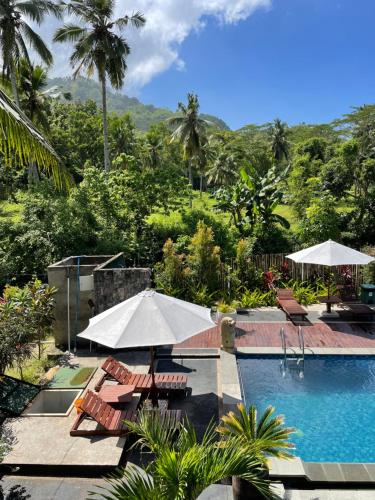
(298, 358)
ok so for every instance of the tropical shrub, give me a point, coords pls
(251, 299)
(266, 434)
(204, 258)
(182, 467)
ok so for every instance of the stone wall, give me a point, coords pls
(112, 286)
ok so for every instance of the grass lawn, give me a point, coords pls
(206, 203)
(34, 369)
(10, 211)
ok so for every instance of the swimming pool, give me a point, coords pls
(332, 406)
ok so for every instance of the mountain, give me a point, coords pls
(143, 115)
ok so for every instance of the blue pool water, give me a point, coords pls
(333, 406)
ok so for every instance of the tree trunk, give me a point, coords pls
(201, 185)
(14, 84)
(33, 174)
(105, 123)
(190, 170)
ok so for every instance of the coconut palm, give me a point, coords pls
(99, 47)
(190, 131)
(19, 137)
(223, 170)
(279, 141)
(34, 94)
(16, 34)
(182, 467)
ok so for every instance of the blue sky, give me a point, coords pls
(300, 60)
(249, 60)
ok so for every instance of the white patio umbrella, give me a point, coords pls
(148, 319)
(330, 254)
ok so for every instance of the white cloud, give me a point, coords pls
(155, 47)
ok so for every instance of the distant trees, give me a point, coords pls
(279, 141)
(99, 47)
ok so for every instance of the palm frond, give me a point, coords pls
(69, 33)
(131, 483)
(152, 434)
(136, 19)
(18, 136)
(37, 44)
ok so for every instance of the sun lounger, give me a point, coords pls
(111, 420)
(114, 370)
(289, 305)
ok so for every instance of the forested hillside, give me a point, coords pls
(143, 115)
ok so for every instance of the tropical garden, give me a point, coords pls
(186, 196)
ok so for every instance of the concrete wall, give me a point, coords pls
(113, 286)
(58, 277)
(112, 282)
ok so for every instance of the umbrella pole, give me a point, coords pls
(328, 292)
(154, 394)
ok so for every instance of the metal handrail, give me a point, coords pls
(283, 341)
(301, 340)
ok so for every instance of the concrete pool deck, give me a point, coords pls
(43, 443)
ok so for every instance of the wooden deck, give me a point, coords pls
(253, 334)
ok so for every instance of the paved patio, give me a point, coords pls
(44, 442)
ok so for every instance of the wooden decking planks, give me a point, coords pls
(252, 334)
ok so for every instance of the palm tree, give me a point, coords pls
(18, 136)
(34, 96)
(279, 141)
(267, 437)
(223, 170)
(98, 47)
(182, 467)
(190, 131)
(16, 34)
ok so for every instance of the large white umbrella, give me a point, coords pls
(148, 319)
(330, 254)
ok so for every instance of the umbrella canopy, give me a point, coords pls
(330, 253)
(148, 319)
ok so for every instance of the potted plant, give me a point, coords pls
(267, 436)
(225, 309)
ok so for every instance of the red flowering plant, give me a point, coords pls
(271, 277)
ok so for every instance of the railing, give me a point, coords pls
(301, 341)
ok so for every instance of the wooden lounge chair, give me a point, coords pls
(114, 370)
(286, 301)
(111, 420)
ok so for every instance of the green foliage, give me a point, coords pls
(183, 467)
(251, 299)
(224, 308)
(204, 258)
(172, 274)
(267, 434)
(34, 302)
(144, 116)
(321, 221)
(307, 293)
